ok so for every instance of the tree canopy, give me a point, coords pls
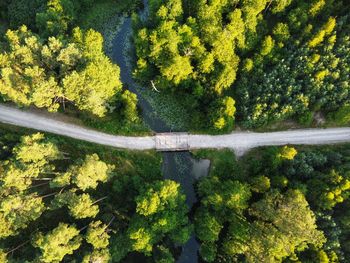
(53, 72)
(276, 204)
(68, 204)
(275, 59)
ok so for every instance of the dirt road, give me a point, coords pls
(239, 142)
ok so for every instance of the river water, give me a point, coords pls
(177, 166)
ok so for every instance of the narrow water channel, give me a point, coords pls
(180, 166)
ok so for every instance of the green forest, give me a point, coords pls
(54, 59)
(248, 62)
(245, 63)
(66, 201)
(197, 66)
(61, 200)
(275, 205)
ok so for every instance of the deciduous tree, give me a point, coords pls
(51, 72)
(55, 245)
(97, 235)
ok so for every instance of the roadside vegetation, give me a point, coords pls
(276, 204)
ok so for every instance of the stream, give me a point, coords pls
(177, 166)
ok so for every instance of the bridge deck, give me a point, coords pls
(172, 142)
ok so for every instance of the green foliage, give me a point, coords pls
(80, 206)
(86, 174)
(160, 214)
(129, 100)
(97, 236)
(31, 158)
(316, 7)
(3, 257)
(23, 12)
(163, 255)
(267, 46)
(260, 184)
(248, 65)
(292, 221)
(17, 211)
(55, 245)
(222, 196)
(223, 113)
(287, 153)
(288, 216)
(34, 149)
(163, 207)
(327, 190)
(207, 227)
(326, 30)
(208, 252)
(283, 227)
(102, 232)
(152, 201)
(342, 115)
(98, 256)
(195, 55)
(281, 32)
(90, 172)
(280, 6)
(57, 17)
(44, 74)
(299, 77)
(306, 118)
(120, 247)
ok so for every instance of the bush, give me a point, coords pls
(342, 116)
(306, 118)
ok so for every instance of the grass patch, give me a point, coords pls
(111, 124)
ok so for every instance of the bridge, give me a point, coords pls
(172, 142)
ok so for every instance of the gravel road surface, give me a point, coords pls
(239, 142)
